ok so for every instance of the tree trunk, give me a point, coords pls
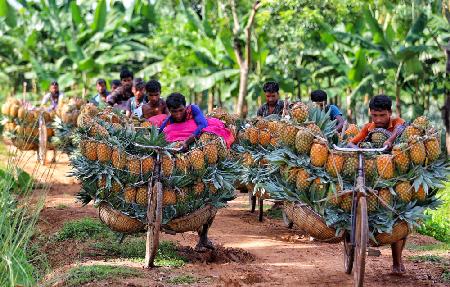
(211, 99)
(397, 100)
(349, 104)
(446, 109)
(243, 81)
(299, 91)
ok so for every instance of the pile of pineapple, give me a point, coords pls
(112, 168)
(21, 125)
(292, 159)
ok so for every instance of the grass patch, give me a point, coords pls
(442, 247)
(85, 274)
(134, 248)
(276, 213)
(183, 279)
(446, 275)
(427, 258)
(61, 206)
(83, 229)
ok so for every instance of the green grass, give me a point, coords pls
(442, 247)
(446, 275)
(83, 229)
(183, 279)
(276, 213)
(61, 206)
(134, 248)
(427, 258)
(85, 274)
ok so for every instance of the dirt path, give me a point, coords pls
(283, 258)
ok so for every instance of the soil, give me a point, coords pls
(248, 252)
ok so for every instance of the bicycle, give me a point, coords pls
(42, 148)
(355, 245)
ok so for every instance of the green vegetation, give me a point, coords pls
(61, 206)
(276, 213)
(183, 279)
(83, 229)
(441, 247)
(427, 258)
(85, 274)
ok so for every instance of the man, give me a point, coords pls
(273, 105)
(115, 84)
(54, 97)
(155, 105)
(122, 94)
(134, 104)
(319, 97)
(102, 93)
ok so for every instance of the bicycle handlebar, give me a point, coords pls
(158, 148)
(351, 149)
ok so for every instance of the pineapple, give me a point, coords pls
(370, 168)
(101, 182)
(84, 121)
(300, 112)
(222, 150)
(142, 195)
(252, 135)
(199, 188)
(332, 196)
(420, 194)
(116, 187)
(401, 157)
(129, 194)
(264, 137)
(274, 142)
(350, 166)
(196, 159)
(421, 123)
(304, 140)
(104, 152)
(147, 165)
(318, 186)
(119, 159)
(378, 139)
(14, 110)
(372, 202)
(433, 149)
(289, 134)
(417, 151)
(166, 165)
(335, 163)
(212, 188)
(169, 197)
(410, 132)
(385, 166)
(290, 174)
(302, 180)
(134, 165)
(5, 108)
(98, 130)
(21, 113)
(351, 131)
(346, 202)
(385, 197)
(211, 153)
(181, 163)
(319, 153)
(274, 128)
(262, 124)
(404, 191)
(91, 150)
(314, 129)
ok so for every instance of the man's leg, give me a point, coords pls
(397, 260)
(203, 242)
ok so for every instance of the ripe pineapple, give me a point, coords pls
(404, 191)
(262, 124)
(91, 150)
(21, 113)
(385, 166)
(5, 108)
(274, 141)
(119, 159)
(134, 165)
(346, 202)
(300, 112)
(420, 194)
(319, 153)
(101, 182)
(166, 165)
(370, 168)
(84, 121)
(142, 195)
(264, 137)
(169, 197)
(222, 151)
(335, 163)
(401, 157)
(378, 139)
(199, 187)
(274, 128)
(252, 135)
(196, 159)
(147, 164)
(417, 151)
(304, 140)
(314, 129)
(372, 202)
(288, 135)
(211, 153)
(14, 110)
(302, 182)
(98, 130)
(410, 132)
(385, 197)
(352, 130)
(211, 187)
(421, 122)
(433, 149)
(129, 194)
(332, 196)
(181, 163)
(116, 187)
(350, 166)
(104, 152)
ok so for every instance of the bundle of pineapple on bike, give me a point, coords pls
(322, 184)
(152, 179)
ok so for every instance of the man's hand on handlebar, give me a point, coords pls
(352, 145)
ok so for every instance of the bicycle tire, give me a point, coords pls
(154, 217)
(349, 255)
(42, 149)
(289, 224)
(362, 230)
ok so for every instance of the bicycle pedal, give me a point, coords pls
(373, 252)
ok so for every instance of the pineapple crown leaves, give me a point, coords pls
(279, 191)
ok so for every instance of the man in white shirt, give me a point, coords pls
(54, 97)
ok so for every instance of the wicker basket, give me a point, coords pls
(118, 221)
(399, 231)
(193, 221)
(310, 222)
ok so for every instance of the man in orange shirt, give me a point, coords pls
(381, 114)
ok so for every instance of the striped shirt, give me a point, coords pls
(263, 111)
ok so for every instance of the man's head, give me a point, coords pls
(126, 78)
(176, 103)
(271, 91)
(101, 86)
(54, 88)
(153, 89)
(138, 88)
(319, 97)
(380, 110)
(115, 84)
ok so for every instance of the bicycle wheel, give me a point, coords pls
(289, 224)
(42, 149)
(349, 254)
(361, 233)
(154, 217)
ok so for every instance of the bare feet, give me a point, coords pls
(398, 270)
(204, 245)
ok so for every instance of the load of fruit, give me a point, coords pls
(113, 169)
(300, 166)
(21, 124)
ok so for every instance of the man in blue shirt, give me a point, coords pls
(100, 99)
(319, 97)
